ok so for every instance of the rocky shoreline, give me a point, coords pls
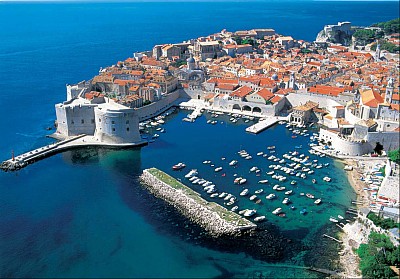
(210, 216)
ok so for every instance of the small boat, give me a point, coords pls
(332, 219)
(308, 195)
(286, 201)
(253, 197)
(263, 181)
(271, 147)
(244, 192)
(193, 178)
(260, 153)
(289, 192)
(192, 173)
(259, 218)
(178, 166)
(292, 207)
(242, 181)
(233, 163)
(249, 212)
(218, 169)
(253, 169)
(277, 211)
(314, 181)
(222, 195)
(214, 195)
(327, 179)
(206, 162)
(227, 197)
(317, 201)
(270, 196)
(303, 211)
(259, 191)
(281, 214)
(248, 157)
(233, 209)
(340, 217)
(293, 182)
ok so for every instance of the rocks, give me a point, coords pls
(192, 209)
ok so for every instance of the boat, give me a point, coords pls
(242, 181)
(281, 214)
(218, 169)
(249, 212)
(259, 218)
(314, 181)
(292, 207)
(253, 197)
(317, 201)
(222, 195)
(227, 197)
(333, 219)
(263, 181)
(244, 192)
(303, 211)
(340, 217)
(327, 179)
(293, 182)
(233, 163)
(206, 162)
(308, 195)
(288, 192)
(270, 196)
(271, 147)
(214, 195)
(260, 153)
(248, 157)
(178, 166)
(234, 208)
(259, 191)
(193, 178)
(253, 169)
(277, 211)
(286, 201)
(191, 173)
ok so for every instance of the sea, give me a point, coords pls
(83, 213)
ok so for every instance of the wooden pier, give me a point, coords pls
(331, 237)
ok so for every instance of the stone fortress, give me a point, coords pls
(255, 72)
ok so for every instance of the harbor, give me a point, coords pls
(262, 125)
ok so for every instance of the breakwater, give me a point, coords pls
(214, 218)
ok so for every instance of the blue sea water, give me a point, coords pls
(83, 213)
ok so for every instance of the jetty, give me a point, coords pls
(214, 218)
(79, 141)
(262, 125)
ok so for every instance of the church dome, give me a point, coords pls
(274, 76)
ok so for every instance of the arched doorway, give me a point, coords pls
(257, 109)
(246, 108)
(236, 106)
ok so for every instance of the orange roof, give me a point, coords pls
(241, 91)
(265, 94)
(326, 90)
(395, 106)
(275, 99)
(121, 82)
(226, 86)
(371, 98)
(396, 97)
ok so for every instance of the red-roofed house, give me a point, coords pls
(241, 93)
(261, 96)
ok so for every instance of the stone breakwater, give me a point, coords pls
(215, 219)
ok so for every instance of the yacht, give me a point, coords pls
(178, 166)
(244, 192)
(249, 212)
(277, 211)
(259, 218)
(253, 169)
(289, 192)
(242, 181)
(327, 179)
(286, 201)
(253, 197)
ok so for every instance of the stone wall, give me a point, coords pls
(158, 107)
(194, 211)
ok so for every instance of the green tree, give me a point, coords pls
(364, 36)
(394, 155)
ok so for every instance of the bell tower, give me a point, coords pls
(389, 91)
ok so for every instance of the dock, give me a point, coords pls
(214, 218)
(262, 125)
(23, 160)
(330, 237)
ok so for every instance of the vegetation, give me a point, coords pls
(384, 45)
(364, 36)
(178, 63)
(389, 27)
(381, 222)
(377, 256)
(394, 155)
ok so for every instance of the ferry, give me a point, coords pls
(277, 211)
(259, 218)
(244, 192)
(192, 173)
(317, 201)
(178, 166)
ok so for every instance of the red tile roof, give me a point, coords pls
(241, 92)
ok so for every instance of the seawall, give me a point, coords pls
(214, 218)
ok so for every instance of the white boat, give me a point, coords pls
(334, 220)
(293, 182)
(248, 157)
(233, 163)
(211, 190)
(277, 211)
(259, 191)
(260, 153)
(253, 169)
(234, 208)
(340, 217)
(206, 162)
(270, 196)
(263, 181)
(242, 181)
(289, 192)
(244, 192)
(259, 218)
(197, 180)
(191, 173)
(214, 195)
(270, 172)
(327, 179)
(222, 195)
(253, 197)
(348, 168)
(317, 201)
(218, 169)
(207, 183)
(228, 197)
(286, 201)
(249, 212)
(193, 178)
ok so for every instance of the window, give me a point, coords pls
(113, 122)
(127, 129)
(113, 129)
(99, 119)
(72, 122)
(127, 121)
(82, 121)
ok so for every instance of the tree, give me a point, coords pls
(394, 155)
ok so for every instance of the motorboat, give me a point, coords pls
(259, 191)
(214, 195)
(244, 192)
(270, 196)
(293, 182)
(249, 212)
(222, 195)
(191, 173)
(333, 219)
(259, 218)
(218, 169)
(308, 195)
(327, 179)
(260, 153)
(289, 192)
(193, 178)
(242, 181)
(277, 211)
(314, 181)
(263, 181)
(340, 217)
(253, 197)
(317, 201)
(253, 169)
(233, 209)
(286, 201)
(178, 166)
(233, 163)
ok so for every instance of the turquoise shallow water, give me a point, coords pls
(83, 213)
